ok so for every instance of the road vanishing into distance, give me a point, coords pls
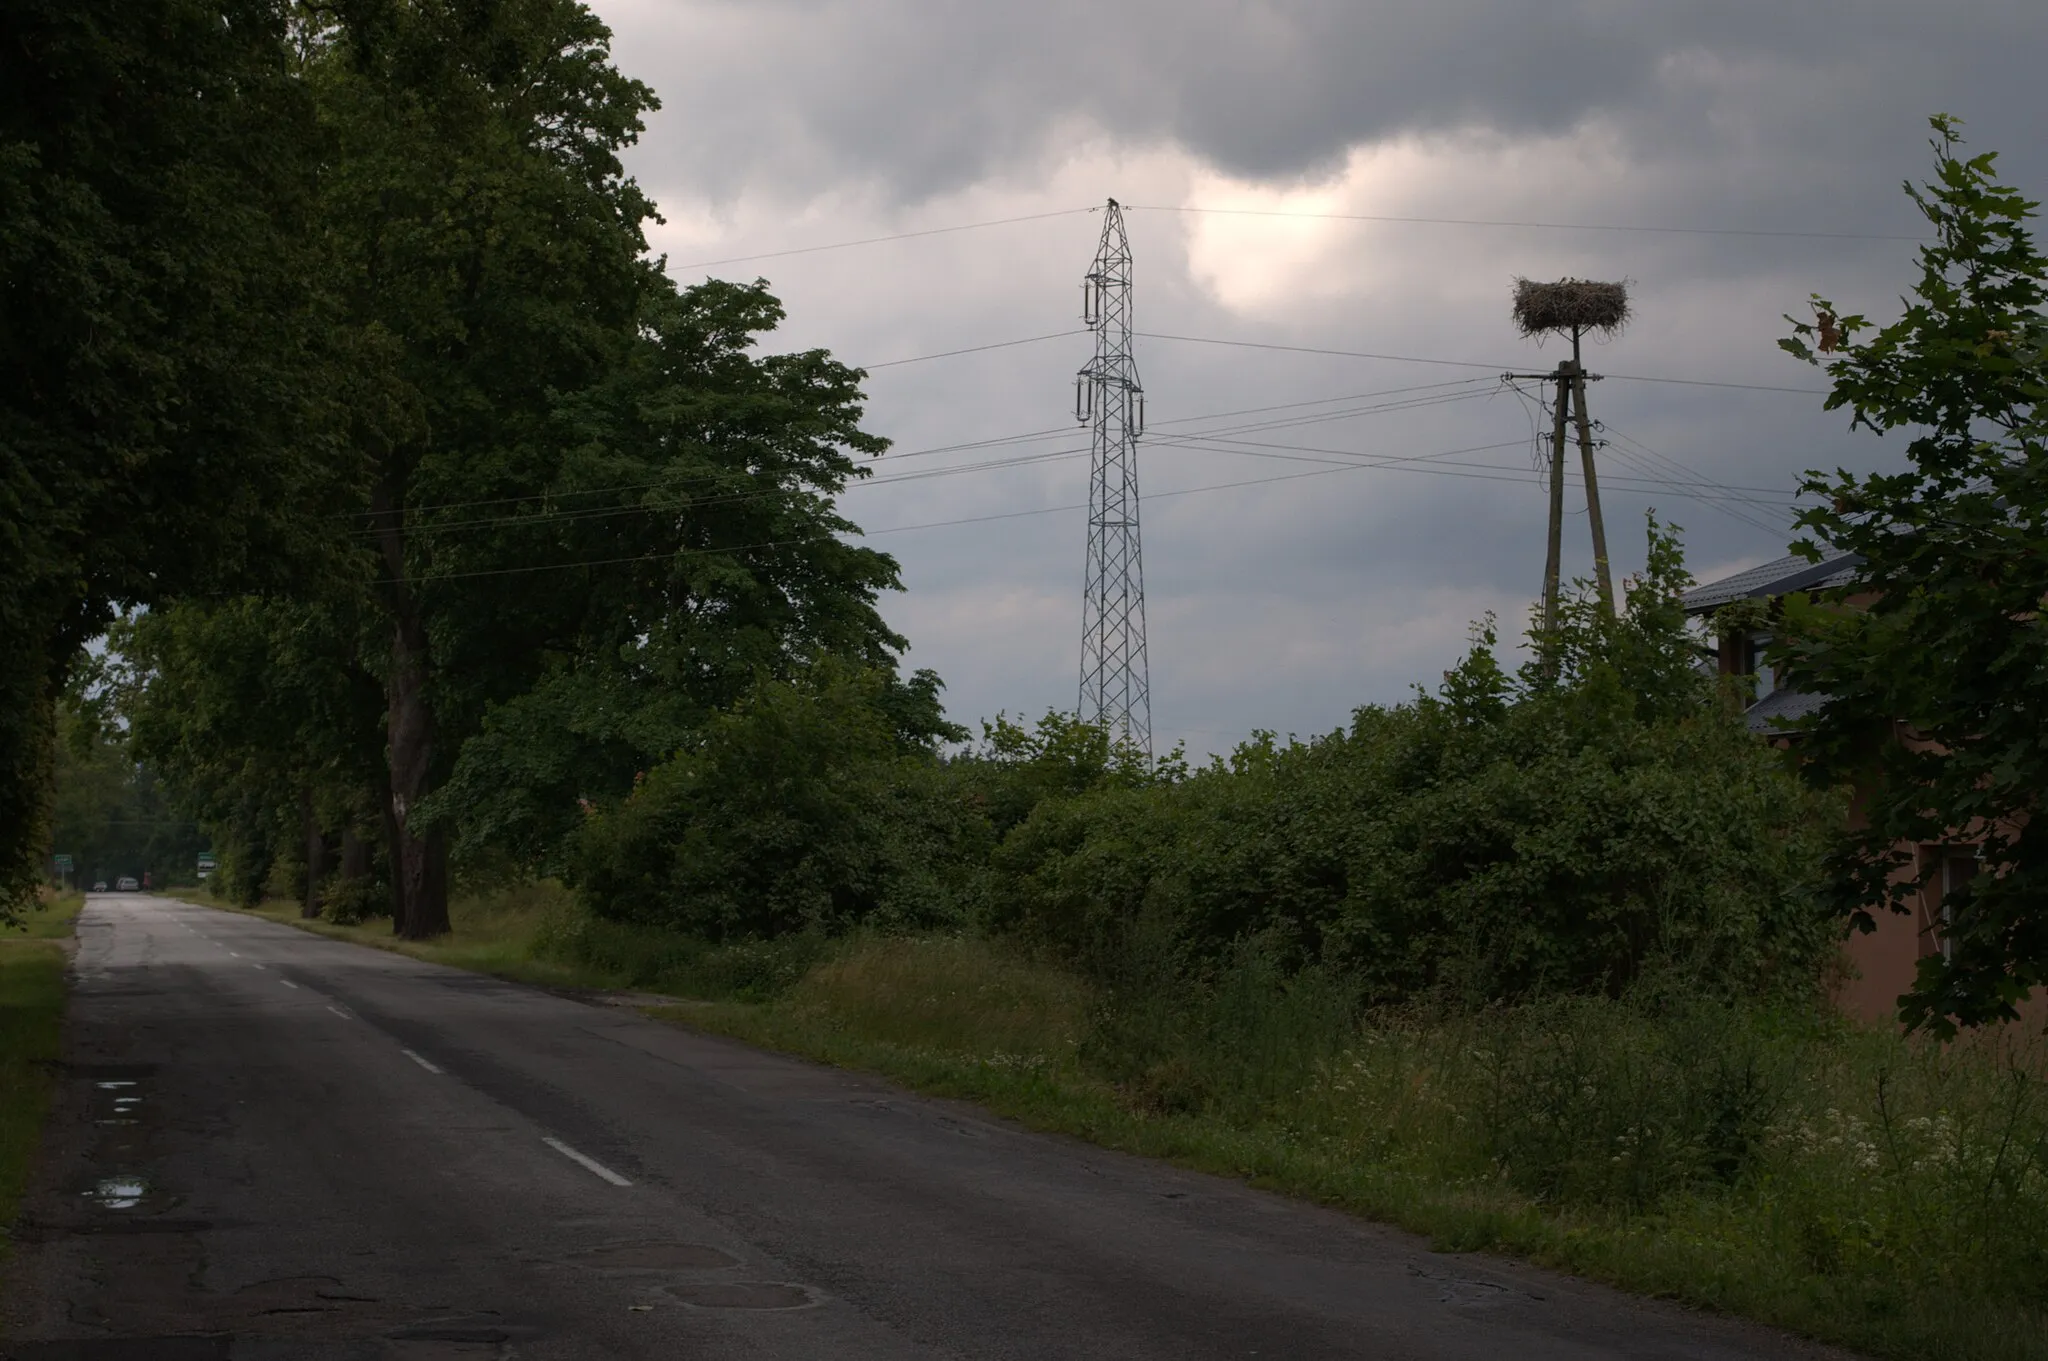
(273, 1146)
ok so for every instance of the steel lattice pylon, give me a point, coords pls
(1115, 687)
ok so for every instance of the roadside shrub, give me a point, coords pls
(352, 901)
(800, 810)
(1565, 831)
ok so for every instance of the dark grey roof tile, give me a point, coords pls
(1790, 573)
(1780, 706)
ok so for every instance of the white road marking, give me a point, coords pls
(255, 966)
(288, 983)
(586, 1160)
(233, 955)
(424, 1063)
(339, 1012)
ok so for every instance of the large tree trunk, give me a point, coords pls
(316, 854)
(419, 859)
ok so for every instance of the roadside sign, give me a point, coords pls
(63, 863)
(205, 863)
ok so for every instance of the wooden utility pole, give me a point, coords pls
(1570, 307)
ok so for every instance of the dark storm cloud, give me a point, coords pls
(1285, 603)
(924, 96)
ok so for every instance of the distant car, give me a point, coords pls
(126, 885)
(99, 886)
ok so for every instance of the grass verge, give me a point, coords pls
(494, 932)
(1862, 1189)
(31, 1033)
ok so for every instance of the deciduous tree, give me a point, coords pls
(155, 180)
(1936, 677)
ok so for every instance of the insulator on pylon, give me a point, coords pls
(1084, 397)
(1137, 412)
(1091, 300)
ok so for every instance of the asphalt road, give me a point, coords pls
(274, 1146)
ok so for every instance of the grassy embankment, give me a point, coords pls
(31, 1031)
(495, 933)
(1887, 1194)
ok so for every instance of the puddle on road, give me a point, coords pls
(658, 1257)
(742, 1295)
(122, 1191)
(115, 1179)
(116, 1101)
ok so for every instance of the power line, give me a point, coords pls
(1422, 463)
(601, 512)
(1323, 401)
(1544, 226)
(1347, 459)
(1769, 519)
(857, 480)
(1779, 519)
(939, 524)
(1030, 340)
(1031, 436)
(739, 497)
(1640, 454)
(1433, 393)
(1412, 463)
(971, 349)
(1728, 493)
(877, 240)
(1511, 223)
(1216, 435)
(1463, 363)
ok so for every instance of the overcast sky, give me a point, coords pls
(796, 123)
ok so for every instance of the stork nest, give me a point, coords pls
(1570, 305)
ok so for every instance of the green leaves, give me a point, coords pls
(163, 413)
(1567, 832)
(803, 807)
(1935, 663)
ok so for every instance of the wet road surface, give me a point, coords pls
(275, 1147)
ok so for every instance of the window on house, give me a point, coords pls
(1753, 663)
(1956, 871)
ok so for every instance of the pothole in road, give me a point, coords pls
(742, 1295)
(658, 1257)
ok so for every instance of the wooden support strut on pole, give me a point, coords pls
(1552, 562)
(1599, 527)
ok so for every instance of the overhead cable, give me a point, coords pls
(1462, 363)
(893, 236)
(1543, 226)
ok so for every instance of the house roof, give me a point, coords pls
(1792, 573)
(1784, 705)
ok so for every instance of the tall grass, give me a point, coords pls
(1872, 1189)
(31, 1031)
